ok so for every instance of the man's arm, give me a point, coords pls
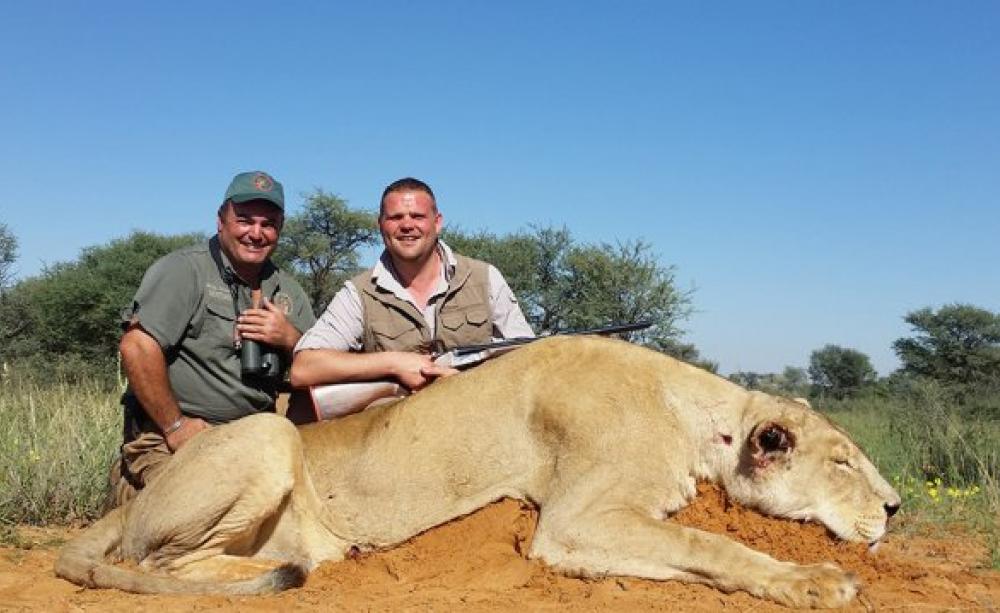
(146, 368)
(329, 352)
(325, 366)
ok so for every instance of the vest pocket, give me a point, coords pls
(474, 315)
(396, 335)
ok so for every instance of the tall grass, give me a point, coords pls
(57, 438)
(923, 433)
(942, 455)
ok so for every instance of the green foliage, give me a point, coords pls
(75, 308)
(622, 283)
(11, 314)
(926, 432)
(8, 255)
(840, 372)
(563, 285)
(321, 244)
(791, 382)
(531, 261)
(795, 380)
(959, 344)
(686, 352)
(748, 379)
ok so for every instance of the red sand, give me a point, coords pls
(477, 563)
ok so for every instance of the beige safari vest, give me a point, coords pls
(463, 313)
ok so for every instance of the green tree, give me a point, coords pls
(533, 262)
(748, 379)
(795, 381)
(624, 283)
(11, 314)
(790, 382)
(563, 285)
(687, 352)
(957, 344)
(8, 255)
(75, 307)
(321, 244)
(840, 372)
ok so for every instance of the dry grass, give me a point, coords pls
(57, 439)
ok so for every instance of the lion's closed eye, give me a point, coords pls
(842, 463)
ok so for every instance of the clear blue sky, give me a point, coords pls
(814, 170)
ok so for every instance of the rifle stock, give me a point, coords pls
(323, 402)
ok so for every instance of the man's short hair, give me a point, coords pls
(406, 184)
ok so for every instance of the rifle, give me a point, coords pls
(465, 356)
(340, 399)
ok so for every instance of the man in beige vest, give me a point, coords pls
(419, 291)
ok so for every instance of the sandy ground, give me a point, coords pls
(477, 563)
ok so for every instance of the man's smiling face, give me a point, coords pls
(248, 233)
(410, 224)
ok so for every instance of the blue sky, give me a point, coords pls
(813, 170)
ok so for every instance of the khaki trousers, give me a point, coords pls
(141, 461)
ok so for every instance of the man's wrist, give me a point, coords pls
(175, 426)
(394, 363)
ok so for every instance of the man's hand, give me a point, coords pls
(436, 370)
(268, 325)
(188, 428)
(327, 366)
(416, 370)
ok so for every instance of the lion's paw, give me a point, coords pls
(822, 586)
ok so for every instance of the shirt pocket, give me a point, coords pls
(219, 323)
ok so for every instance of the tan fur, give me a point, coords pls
(607, 438)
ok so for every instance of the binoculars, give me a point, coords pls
(259, 361)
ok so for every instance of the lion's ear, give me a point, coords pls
(768, 441)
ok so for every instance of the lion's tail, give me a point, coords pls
(84, 561)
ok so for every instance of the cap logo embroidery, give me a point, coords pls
(262, 182)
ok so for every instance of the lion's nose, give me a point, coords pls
(890, 509)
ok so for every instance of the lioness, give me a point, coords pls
(608, 440)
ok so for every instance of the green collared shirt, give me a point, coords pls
(185, 304)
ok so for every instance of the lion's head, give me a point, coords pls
(795, 463)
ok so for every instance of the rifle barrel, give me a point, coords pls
(524, 340)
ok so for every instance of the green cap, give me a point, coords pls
(256, 185)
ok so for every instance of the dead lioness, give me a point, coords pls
(606, 438)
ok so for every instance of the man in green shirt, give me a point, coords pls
(194, 309)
